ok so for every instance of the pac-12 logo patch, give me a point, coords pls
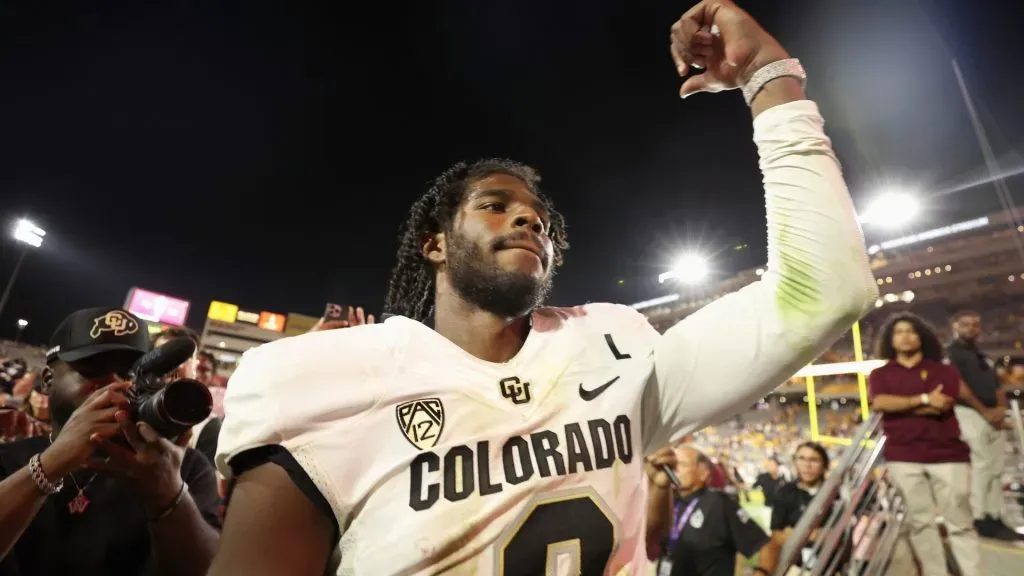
(421, 421)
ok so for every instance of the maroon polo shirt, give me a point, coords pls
(921, 439)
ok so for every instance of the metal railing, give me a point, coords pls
(1018, 425)
(855, 517)
(1013, 470)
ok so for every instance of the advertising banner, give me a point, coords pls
(156, 307)
(248, 317)
(271, 321)
(222, 311)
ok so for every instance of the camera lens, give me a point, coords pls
(185, 402)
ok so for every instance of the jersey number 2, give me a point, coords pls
(566, 534)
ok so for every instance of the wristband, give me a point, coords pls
(790, 67)
(173, 506)
(35, 469)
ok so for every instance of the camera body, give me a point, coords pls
(170, 406)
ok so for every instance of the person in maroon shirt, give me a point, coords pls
(916, 391)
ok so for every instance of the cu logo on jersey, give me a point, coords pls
(421, 421)
(515, 390)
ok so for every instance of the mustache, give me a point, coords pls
(520, 236)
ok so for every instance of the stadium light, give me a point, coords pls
(690, 269)
(31, 235)
(891, 210)
(28, 233)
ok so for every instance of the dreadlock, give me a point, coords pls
(411, 288)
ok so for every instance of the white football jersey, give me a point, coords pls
(434, 461)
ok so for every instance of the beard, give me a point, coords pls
(61, 407)
(478, 280)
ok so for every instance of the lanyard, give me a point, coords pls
(681, 519)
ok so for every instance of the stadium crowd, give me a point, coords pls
(750, 459)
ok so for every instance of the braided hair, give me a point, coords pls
(411, 288)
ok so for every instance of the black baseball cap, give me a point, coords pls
(88, 332)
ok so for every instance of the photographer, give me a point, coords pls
(113, 496)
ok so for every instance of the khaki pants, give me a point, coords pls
(988, 454)
(943, 488)
(902, 561)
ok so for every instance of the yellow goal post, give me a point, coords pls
(859, 366)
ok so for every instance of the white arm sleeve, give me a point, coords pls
(717, 361)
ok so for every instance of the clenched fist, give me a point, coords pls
(723, 40)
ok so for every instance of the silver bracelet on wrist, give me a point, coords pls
(790, 67)
(35, 469)
(173, 505)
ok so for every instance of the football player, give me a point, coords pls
(477, 432)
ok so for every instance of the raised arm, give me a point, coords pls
(817, 283)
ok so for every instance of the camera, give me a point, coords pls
(170, 406)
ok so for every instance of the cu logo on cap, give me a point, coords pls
(114, 321)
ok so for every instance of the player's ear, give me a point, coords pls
(434, 248)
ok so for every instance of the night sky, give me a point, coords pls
(265, 153)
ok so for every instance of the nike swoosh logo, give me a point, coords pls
(589, 395)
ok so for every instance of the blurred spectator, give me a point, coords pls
(700, 529)
(734, 486)
(1015, 376)
(982, 426)
(206, 372)
(12, 372)
(770, 480)
(38, 407)
(20, 401)
(791, 500)
(916, 393)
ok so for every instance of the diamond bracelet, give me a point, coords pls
(789, 67)
(35, 469)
